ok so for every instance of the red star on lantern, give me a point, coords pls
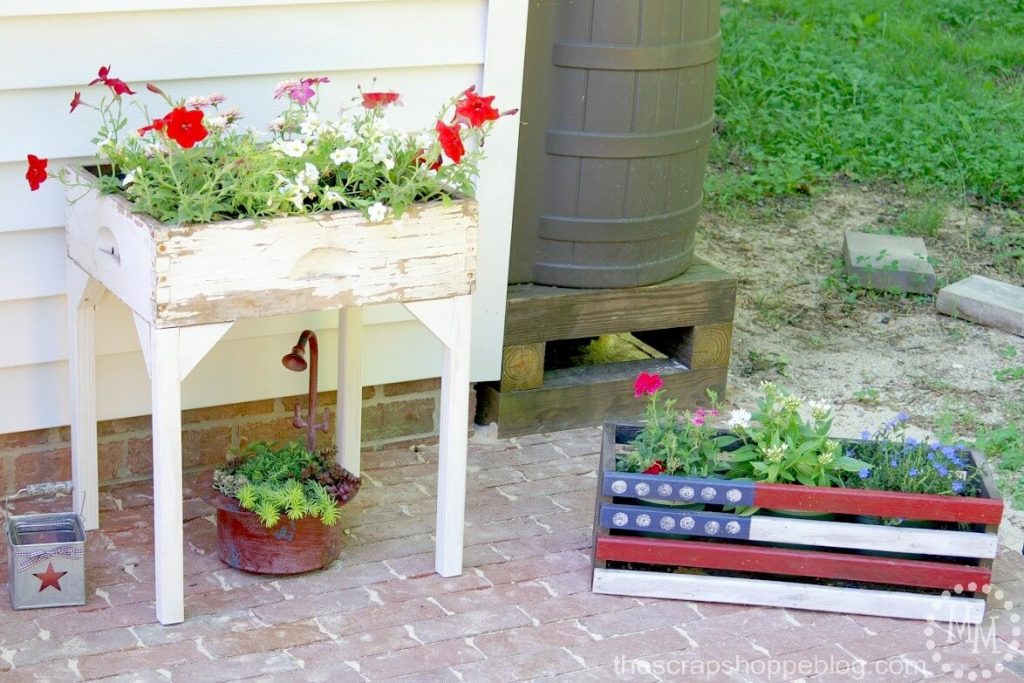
(50, 577)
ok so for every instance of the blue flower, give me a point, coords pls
(941, 469)
(913, 472)
(893, 462)
(864, 473)
(931, 456)
(948, 451)
(865, 435)
(958, 486)
(902, 416)
(911, 441)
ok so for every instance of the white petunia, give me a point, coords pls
(382, 155)
(347, 131)
(298, 198)
(312, 173)
(294, 148)
(310, 126)
(377, 212)
(216, 122)
(334, 197)
(129, 177)
(346, 155)
(425, 140)
(739, 418)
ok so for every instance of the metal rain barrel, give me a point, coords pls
(630, 99)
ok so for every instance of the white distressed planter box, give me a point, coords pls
(178, 275)
(187, 284)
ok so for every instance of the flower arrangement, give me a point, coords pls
(786, 440)
(684, 445)
(782, 445)
(197, 163)
(895, 461)
(275, 481)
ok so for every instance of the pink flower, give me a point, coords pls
(646, 384)
(300, 91)
(372, 100)
(699, 416)
(76, 101)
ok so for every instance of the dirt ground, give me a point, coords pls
(872, 355)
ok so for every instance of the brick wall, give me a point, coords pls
(393, 414)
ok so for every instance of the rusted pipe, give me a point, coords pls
(296, 362)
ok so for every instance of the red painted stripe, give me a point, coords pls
(879, 503)
(764, 560)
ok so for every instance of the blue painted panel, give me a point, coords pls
(678, 489)
(658, 520)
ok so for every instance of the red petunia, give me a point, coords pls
(646, 384)
(75, 101)
(157, 124)
(116, 85)
(372, 100)
(451, 141)
(421, 159)
(476, 110)
(656, 468)
(184, 126)
(36, 174)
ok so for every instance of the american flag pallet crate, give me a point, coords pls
(846, 565)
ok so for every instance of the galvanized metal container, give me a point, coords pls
(46, 560)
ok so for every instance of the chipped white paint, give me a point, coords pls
(178, 275)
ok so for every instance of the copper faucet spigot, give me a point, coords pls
(296, 362)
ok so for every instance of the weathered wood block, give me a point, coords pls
(888, 262)
(984, 301)
(687, 318)
(179, 275)
(649, 519)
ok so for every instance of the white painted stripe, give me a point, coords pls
(765, 593)
(873, 537)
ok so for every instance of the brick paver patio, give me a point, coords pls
(521, 611)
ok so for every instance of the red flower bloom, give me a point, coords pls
(184, 126)
(116, 85)
(75, 101)
(36, 174)
(475, 109)
(157, 124)
(372, 100)
(451, 141)
(421, 159)
(646, 384)
(656, 468)
(102, 76)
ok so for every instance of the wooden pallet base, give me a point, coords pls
(687, 318)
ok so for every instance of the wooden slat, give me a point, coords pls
(46, 128)
(873, 537)
(580, 396)
(879, 503)
(334, 37)
(792, 562)
(878, 603)
(703, 295)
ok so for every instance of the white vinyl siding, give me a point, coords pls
(425, 49)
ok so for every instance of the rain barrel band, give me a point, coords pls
(634, 58)
(573, 143)
(643, 228)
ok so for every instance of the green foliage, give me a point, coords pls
(275, 481)
(928, 93)
(898, 462)
(785, 447)
(301, 165)
(685, 445)
(1004, 447)
(1009, 374)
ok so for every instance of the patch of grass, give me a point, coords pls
(1004, 447)
(1008, 352)
(866, 395)
(764, 362)
(925, 93)
(1009, 374)
(923, 221)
